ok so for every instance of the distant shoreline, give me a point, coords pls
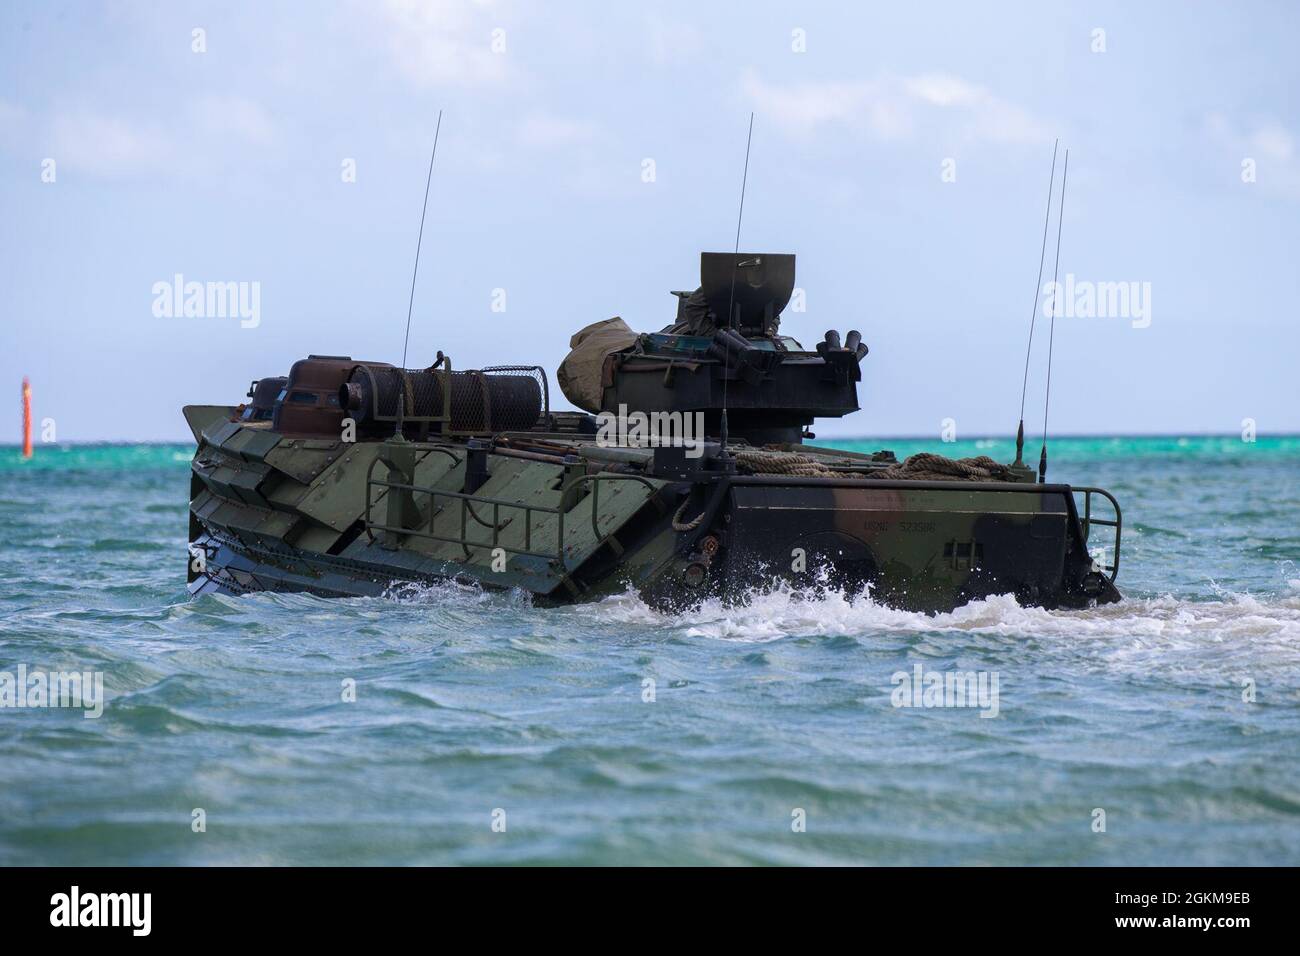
(1029, 440)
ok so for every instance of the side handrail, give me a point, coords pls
(465, 500)
(595, 494)
(496, 504)
(378, 459)
(1088, 521)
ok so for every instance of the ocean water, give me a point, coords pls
(771, 738)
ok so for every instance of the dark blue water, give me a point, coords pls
(473, 708)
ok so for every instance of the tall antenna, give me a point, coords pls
(1033, 315)
(1056, 288)
(418, 242)
(731, 297)
(410, 305)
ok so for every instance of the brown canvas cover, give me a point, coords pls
(579, 374)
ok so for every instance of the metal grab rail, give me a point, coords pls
(595, 494)
(1088, 521)
(497, 525)
(465, 500)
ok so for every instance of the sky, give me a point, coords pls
(589, 151)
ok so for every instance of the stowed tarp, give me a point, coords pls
(579, 374)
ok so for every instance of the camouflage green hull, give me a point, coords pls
(279, 513)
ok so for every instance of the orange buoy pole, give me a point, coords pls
(27, 418)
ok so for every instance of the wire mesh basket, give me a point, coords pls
(469, 402)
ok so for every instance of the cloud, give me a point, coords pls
(14, 124)
(233, 116)
(802, 107)
(939, 89)
(11, 114)
(549, 131)
(893, 108)
(115, 147)
(672, 43)
(1273, 142)
(108, 145)
(441, 42)
(1268, 143)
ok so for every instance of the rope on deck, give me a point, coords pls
(782, 463)
(925, 466)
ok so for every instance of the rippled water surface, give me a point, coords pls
(469, 703)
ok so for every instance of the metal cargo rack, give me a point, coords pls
(468, 502)
(420, 388)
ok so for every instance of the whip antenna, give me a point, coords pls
(1033, 315)
(419, 241)
(1056, 288)
(731, 297)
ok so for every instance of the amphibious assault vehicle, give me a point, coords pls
(688, 474)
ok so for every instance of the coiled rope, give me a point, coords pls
(689, 526)
(782, 463)
(925, 466)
